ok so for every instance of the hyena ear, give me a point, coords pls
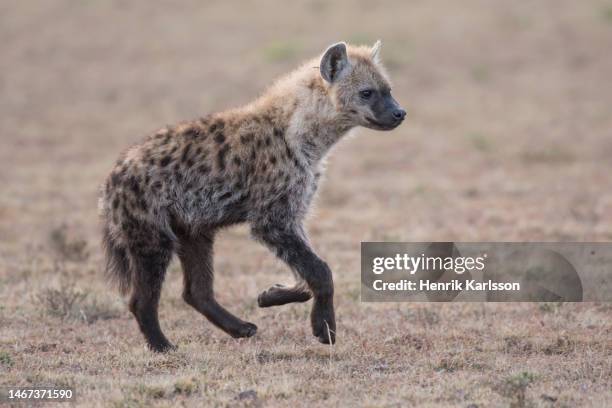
(375, 53)
(333, 62)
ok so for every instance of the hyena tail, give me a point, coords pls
(118, 268)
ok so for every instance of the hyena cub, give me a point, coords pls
(258, 164)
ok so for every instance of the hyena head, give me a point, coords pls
(359, 86)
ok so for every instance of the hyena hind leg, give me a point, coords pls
(278, 295)
(149, 268)
(195, 254)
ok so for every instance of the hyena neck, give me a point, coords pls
(304, 109)
(316, 131)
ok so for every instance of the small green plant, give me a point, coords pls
(550, 307)
(70, 303)
(448, 364)
(185, 386)
(62, 302)
(515, 388)
(5, 359)
(154, 392)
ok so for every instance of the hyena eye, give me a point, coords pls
(366, 93)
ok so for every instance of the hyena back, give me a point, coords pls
(258, 164)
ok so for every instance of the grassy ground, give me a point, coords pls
(508, 137)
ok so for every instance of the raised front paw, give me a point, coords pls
(280, 295)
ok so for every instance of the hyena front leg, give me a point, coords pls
(195, 254)
(291, 246)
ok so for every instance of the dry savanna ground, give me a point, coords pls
(508, 137)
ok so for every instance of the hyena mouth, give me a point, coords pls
(378, 125)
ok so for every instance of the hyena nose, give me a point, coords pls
(399, 114)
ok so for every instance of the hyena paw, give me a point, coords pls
(244, 330)
(324, 324)
(162, 347)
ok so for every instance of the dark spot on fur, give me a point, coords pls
(165, 138)
(156, 186)
(133, 184)
(186, 151)
(253, 154)
(259, 143)
(278, 133)
(313, 84)
(115, 202)
(220, 138)
(225, 196)
(272, 160)
(237, 161)
(268, 141)
(115, 178)
(192, 133)
(204, 169)
(142, 204)
(264, 167)
(248, 138)
(221, 156)
(165, 160)
(289, 152)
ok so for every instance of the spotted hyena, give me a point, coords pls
(259, 164)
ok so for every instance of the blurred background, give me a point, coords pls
(508, 135)
(509, 107)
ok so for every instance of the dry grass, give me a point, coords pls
(508, 138)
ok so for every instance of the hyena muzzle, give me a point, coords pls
(258, 164)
